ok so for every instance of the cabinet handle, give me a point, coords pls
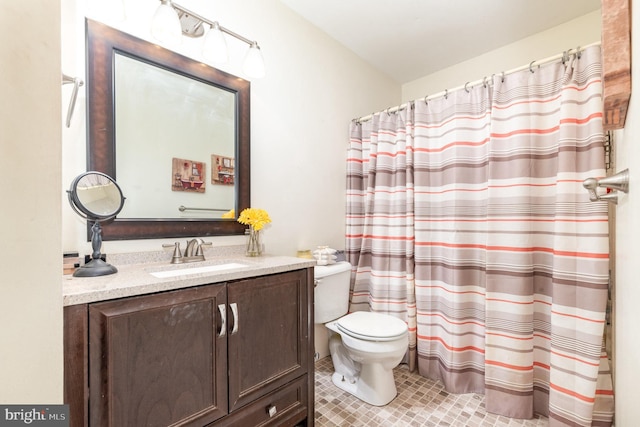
(222, 308)
(271, 410)
(234, 310)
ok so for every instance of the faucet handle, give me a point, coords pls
(177, 253)
(199, 251)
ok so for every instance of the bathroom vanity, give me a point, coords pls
(230, 346)
(222, 342)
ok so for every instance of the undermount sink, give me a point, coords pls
(183, 270)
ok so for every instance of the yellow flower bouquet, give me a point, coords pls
(256, 219)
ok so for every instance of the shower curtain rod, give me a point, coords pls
(469, 85)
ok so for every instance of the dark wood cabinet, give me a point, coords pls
(157, 360)
(237, 353)
(270, 347)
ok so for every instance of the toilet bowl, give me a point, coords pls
(365, 347)
(364, 354)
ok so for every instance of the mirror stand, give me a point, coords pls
(97, 266)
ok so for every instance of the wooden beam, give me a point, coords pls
(616, 53)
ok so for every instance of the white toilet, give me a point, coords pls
(366, 346)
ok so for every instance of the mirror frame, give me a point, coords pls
(102, 42)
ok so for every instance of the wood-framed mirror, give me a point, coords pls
(174, 133)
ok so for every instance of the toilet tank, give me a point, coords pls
(331, 291)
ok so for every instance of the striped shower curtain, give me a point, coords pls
(504, 260)
(380, 218)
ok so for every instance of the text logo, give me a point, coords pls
(34, 415)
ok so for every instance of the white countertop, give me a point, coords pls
(136, 279)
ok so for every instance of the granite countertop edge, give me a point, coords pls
(134, 279)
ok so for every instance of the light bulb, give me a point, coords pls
(165, 25)
(254, 63)
(214, 47)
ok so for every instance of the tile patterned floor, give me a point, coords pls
(420, 402)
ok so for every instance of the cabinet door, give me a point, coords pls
(268, 339)
(159, 359)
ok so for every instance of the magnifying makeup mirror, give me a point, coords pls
(95, 197)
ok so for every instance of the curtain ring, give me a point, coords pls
(425, 99)
(465, 87)
(503, 77)
(484, 82)
(531, 65)
(387, 111)
(446, 93)
(578, 53)
(565, 57)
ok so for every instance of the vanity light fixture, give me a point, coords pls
(253, 62)
(214, 46)
(165, 25)
(214, 49)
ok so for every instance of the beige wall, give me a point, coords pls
(578, 32)
(30, 160)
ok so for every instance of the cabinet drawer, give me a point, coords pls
(288, 406)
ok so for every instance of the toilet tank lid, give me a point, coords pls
(320, 271)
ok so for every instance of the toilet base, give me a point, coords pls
(375, 385)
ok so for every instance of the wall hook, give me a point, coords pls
(619, 182)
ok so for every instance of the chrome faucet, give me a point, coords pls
(192, 253)
(193, 247)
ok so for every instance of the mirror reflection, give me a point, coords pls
(97, 196)
(175, 143)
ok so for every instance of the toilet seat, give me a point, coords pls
(369, 326)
